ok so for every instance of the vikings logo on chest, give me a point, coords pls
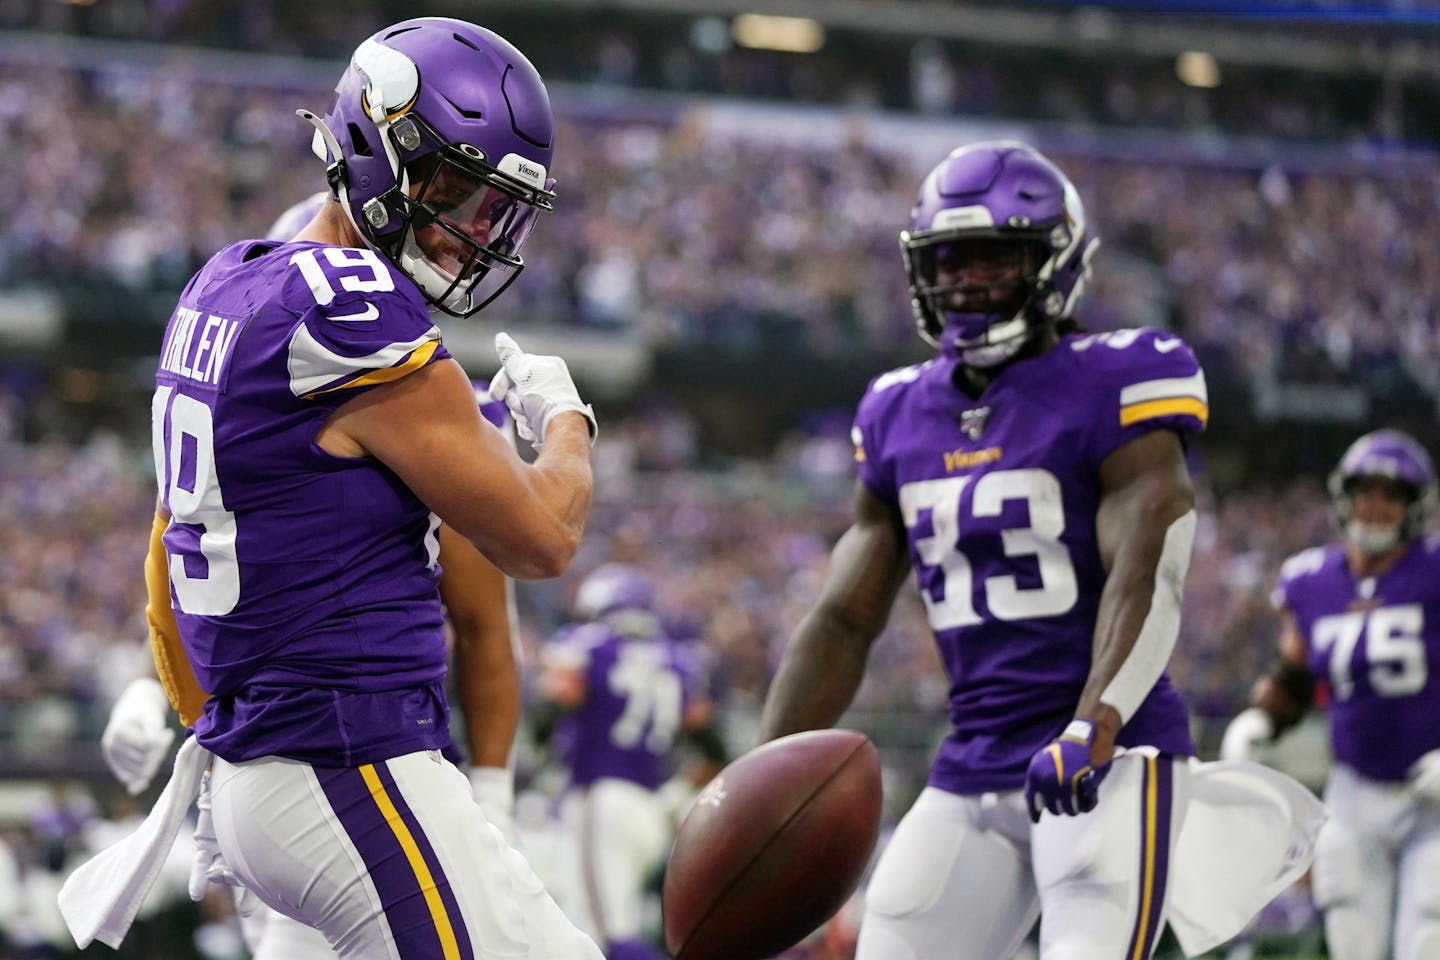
(972, 424)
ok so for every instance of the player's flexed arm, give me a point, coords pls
(1144, 526)
(527, 519)
(825, 659)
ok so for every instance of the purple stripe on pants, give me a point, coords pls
(1154, 863)
(419, 932)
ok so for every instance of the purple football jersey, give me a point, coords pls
(998, 497)
(304, 584)
(1376, 640)
(637, 690)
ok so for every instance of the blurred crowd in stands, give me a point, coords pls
(691, 233)
(1067, 62)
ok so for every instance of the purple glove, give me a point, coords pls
(1060, 778)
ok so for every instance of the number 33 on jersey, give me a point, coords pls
(998, 497)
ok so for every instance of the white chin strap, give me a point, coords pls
(983, 358)
(324, 141)
(1011, 336)
(326, 138)
(1372, 539)
(426, 275)
(431, 278)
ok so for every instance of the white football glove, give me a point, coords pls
(535, 389)
(1246, 734)
(209, 865)
(494, 789)
(137, 737)
(1424, 777)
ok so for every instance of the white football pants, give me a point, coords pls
(620, 833)
(1377, 870)
(965, 877)
(387, 860)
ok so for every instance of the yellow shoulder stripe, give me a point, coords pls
(417, 359)
(1150, 409)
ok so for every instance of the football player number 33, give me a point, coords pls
(950, 603)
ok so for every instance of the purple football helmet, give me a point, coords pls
(1399, 457)
(996, 196)
(612, 588)
(438, 143)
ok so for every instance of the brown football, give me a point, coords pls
(773, 846)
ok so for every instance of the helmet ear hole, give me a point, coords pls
(357, 139)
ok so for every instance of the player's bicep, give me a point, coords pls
(867, 567)
(426, 428)
(1144, 488)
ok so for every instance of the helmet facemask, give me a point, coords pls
(1375, 538)
(463, 223)
(983, 290)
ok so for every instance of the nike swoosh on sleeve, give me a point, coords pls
(1165, 346)
(370, 313)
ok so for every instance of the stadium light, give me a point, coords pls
(760, 31)
(1196, 68)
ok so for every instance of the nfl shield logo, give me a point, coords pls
(972, 422)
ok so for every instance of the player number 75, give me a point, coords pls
(1390, 643)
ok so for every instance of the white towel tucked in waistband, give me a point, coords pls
(101, 897)
(1249, 833)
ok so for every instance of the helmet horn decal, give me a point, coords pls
(388, 74)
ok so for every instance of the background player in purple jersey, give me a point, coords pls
(1363, 618)
(627, 692)
(311, 433)
(1035, 479)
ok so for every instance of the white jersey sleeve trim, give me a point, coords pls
(1168, 388)
(315, 368)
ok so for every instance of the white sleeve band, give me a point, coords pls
(1138, 674)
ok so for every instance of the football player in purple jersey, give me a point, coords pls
(1034, 479)
(311, 433)
(1362, 617)
(626, 693)
(478, 602)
